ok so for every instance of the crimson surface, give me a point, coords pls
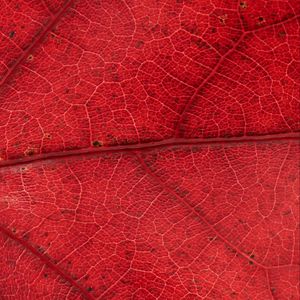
(149, 149)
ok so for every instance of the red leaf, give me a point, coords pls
(150, 149)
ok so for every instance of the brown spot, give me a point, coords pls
(30, 57)
(97, 144)
(29, 152)
(250, 261)
(12, 34)
(23, 169)
(261, 20)
(48, 136)
(40, 249)
(223, 19)
(89, 289)
(243, 5)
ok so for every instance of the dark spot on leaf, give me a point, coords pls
(273, 290)
(213, 30)
(26, 236)
(30, 57)
(223, 19)
(230, 249)
(40, 249)
(29, 152)
(97, 144)
(48, 136)
(139, 44)
(286, 212)
(251, 133)
(116, 78)
(261, 20)
(250, 261)
(45, 275)
(12, 34)
(233, 295)
(89, 289)
(243, 4)
(281, 34)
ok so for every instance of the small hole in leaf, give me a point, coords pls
(30, 57)
(97, 144)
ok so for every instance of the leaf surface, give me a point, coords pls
(150, 149)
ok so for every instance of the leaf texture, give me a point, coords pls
(150, 149)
